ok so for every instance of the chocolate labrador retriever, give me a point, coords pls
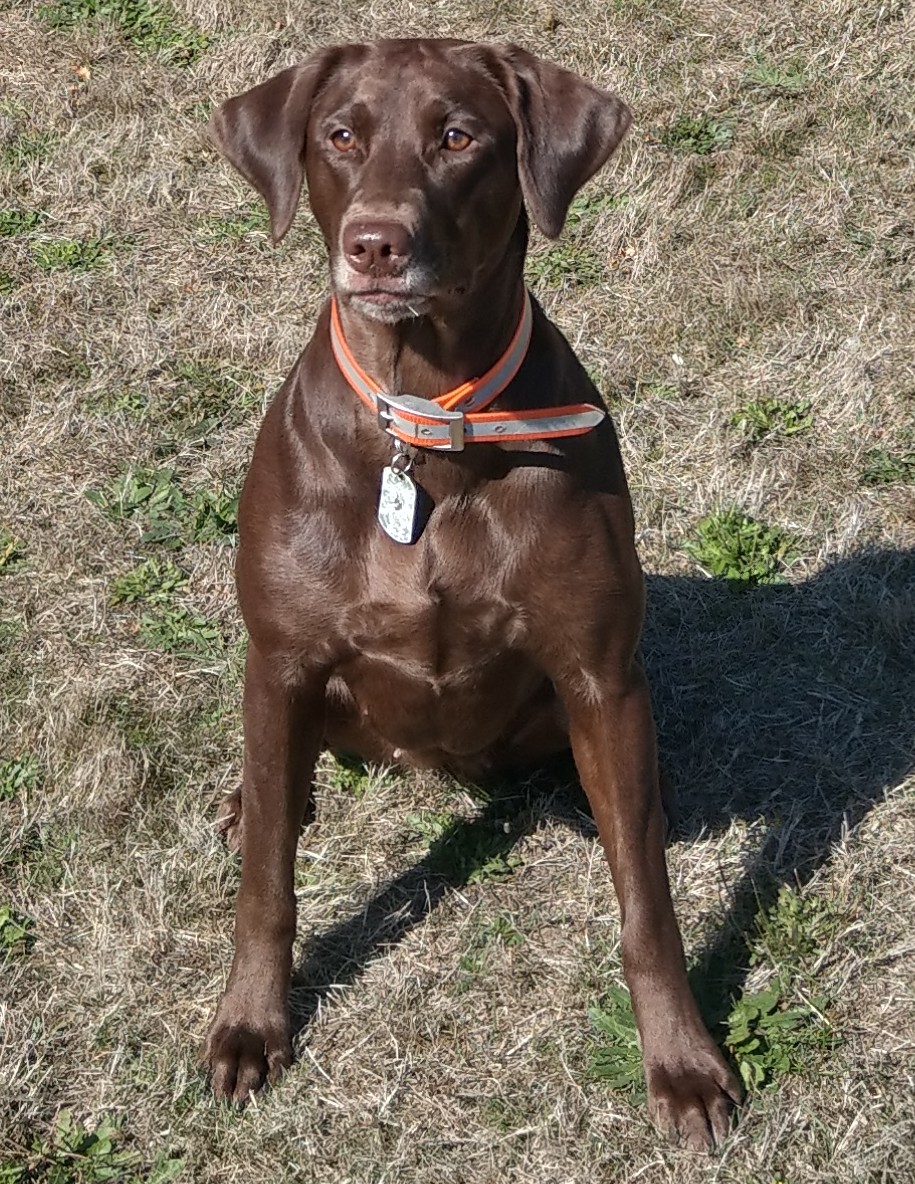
(436, 566)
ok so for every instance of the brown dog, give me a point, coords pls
(452, 582)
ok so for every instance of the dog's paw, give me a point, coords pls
(692, 1096)
(229, 820)
(241, 1057)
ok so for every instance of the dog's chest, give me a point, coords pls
(445, 606)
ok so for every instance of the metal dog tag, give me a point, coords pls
(397, 506)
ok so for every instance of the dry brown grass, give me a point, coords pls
(779, 266)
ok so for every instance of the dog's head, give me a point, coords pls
(417, 156)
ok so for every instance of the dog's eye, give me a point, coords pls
(343, 139)
(455, 140)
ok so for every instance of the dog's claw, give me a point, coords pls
(229, 820)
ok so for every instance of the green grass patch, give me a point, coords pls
(19, 775)
(697, 135)
(167, 515)
(44, 854)
(794, 931)
(12, 553)
(772, 417)
(151, 26)
(574, 261)
(26, 147)
(254, 220)
(74, 1153)
(71, 254)
(16, 222)
(16, 936)
(882, 467)
(568, 264)
(733, 546)
(200, 398)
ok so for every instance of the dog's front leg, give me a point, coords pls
(249, 1040)
(690, 1088)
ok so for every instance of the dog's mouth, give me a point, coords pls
(385, 300)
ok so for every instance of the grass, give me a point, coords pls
(12, 554)
(70, 254)
(696, 134)
(882, 467)
(19, 222)
(155, 500)
(151, 26)
(739, 284)
(735, 547)
(769, 417)
(76, 1153)
(19, 775)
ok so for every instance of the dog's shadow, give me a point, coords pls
(790, 704)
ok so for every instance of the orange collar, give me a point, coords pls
(457, 417)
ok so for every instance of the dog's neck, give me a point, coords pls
(431, 354)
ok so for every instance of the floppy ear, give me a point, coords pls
(567, 129)
(262, 133)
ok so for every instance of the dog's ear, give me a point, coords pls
(262, 133)
(567, 129)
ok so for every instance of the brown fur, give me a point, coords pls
(510, 629)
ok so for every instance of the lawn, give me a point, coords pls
(740, 283)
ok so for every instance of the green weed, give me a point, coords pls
(44, 854)
(212, 517)
(130, 402)
(567, 264)
(179, 631)
(771, 417)
(573, 262)
(70, 254)
(16, 222)
(793, 932)
(19, 775)
(153, 580)
(500, 931)
(168, 517)
(16, 936)
(733, 546)
(151, 26)
(617, 1059)
(787, 78)
(152, 495)
(700, 135)
(349, 775)
(428, 825)
(255, 220)
(11, 552)
(25, 147)
(769, 1039)
(465, 851)
(882, 467)
(77, 1154)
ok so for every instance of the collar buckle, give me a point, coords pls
(420, 421)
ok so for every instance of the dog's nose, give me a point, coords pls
(376, 248)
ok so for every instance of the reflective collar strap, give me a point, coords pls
(432, 429)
